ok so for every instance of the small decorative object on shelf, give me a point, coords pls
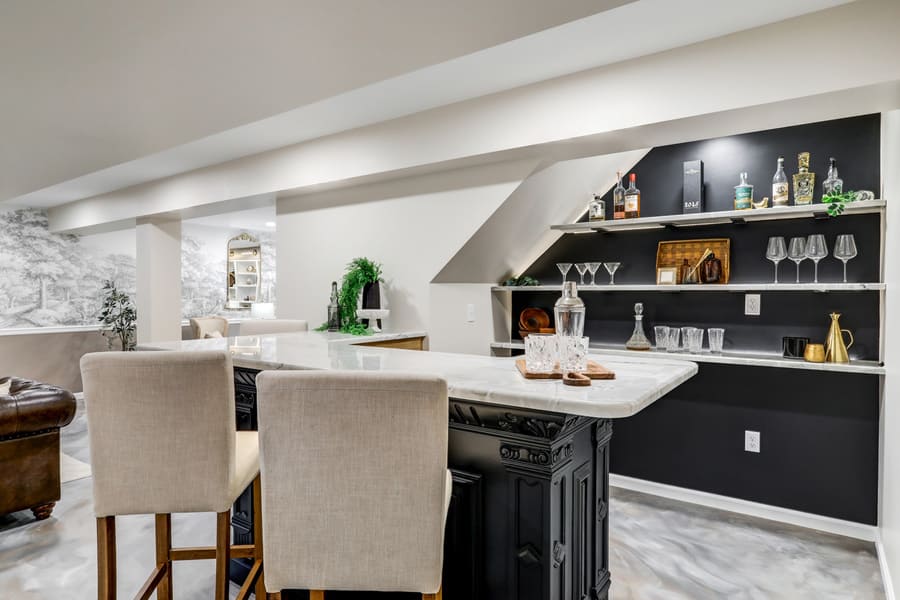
(638, 340)
(334, 309)
(835, 348)
(793, 347)
(618, 198)
(743, 194)
(804, 181)
(251, 269)
(674, 253)
(711, 271)
(764, 203)
(522, 280)
(569, 312)
(814, 353)
(597, 208)
(632, 199)
(780, 188)
(833, 185)
(668, 275)
(692, 195)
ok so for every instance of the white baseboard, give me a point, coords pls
(885, 571)
(859, 531)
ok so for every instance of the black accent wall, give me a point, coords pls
(819, 430)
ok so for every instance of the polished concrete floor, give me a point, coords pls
(660, 550)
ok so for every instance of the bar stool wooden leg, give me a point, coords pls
(316, 595)
(223, 553)
(258, 536)
(163, 559)
(438, 596)
(273, 596)
(106, 558)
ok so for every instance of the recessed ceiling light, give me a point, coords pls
(270, 223)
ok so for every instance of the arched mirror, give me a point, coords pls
(243, 266)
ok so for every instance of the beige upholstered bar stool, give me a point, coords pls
(355, 486)
(202, 327)
(264, 326)
(161, 427)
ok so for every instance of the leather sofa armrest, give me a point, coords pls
(30, 406)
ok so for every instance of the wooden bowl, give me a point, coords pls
(534, 319)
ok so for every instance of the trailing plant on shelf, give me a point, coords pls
(838, 202)
(118, 317)
(521, 280)
(360, 272)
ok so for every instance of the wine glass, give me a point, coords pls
(797, 252)
(592, 269)
(611, 269)
(816, 250)
(776, 251)
(582, 269)
(564, 269)
(845, 249)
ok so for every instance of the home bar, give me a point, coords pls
(426, 300)
(530, 458)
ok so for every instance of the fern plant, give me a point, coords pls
(360, 271)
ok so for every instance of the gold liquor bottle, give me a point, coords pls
(804, 181)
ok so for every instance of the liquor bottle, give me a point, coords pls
(832, 184)
(632, 199)
(743, 194)
(334, 309)
(597, 209)
(780, 186)
(804, 181)
(619, 198)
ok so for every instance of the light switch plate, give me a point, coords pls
(752, 305)
(751, 441)
(470, 313)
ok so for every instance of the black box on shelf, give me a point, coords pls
(693, 186)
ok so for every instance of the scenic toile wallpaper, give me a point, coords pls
(48, 279)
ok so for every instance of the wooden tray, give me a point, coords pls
(673, 253)
(594, 371)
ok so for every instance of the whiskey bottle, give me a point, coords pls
(804, 181)
(597, 209)
(743, 194)
(780, 185)
(832, 184)
(619, 198)
(334, 309)
(632, 199)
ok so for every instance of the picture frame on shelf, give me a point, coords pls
(667, 276)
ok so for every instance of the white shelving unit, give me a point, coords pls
(728, 358)
(244, 253)
(720, 217)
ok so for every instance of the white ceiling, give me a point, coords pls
(253, 219)
(99, 96)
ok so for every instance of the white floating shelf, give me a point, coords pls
(867, 367)
(711, 287)
(721, 217)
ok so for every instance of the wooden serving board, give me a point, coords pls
(594, 371)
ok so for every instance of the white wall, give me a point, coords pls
(158, 280)
(890, 473)
(412, 226)
(450, 329)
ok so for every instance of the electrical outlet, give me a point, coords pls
(751, 441)
(752, 304)
(470, 313)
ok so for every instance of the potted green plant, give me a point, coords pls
(361, 279)
(118, 317)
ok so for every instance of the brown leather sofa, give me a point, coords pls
(31, 415)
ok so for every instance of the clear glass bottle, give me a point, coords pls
(597, 209)
(334, 309)
(804, 181)
(780, 187)
(632, 199)
(832, 184)
(619, 198)
(743, 194)
(638, 340)
(569, 312)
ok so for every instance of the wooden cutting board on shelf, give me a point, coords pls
(594, 371)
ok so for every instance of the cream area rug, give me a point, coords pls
(72, 469)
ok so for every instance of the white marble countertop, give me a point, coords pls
(639, 381)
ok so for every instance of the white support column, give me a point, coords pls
(158, 279)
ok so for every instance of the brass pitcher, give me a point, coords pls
(835, 349)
